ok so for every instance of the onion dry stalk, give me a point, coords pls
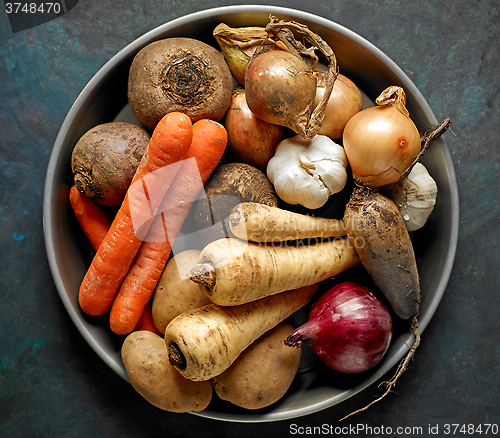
(426, 138)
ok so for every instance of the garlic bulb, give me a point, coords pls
(308, 172)
(415, 197)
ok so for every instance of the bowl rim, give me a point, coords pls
(130, 49)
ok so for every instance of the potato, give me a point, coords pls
(229, 185)
(263, 373)
(175, 293)
(105, 159)
(145, 358)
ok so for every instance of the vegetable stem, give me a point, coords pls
(402, 367)
(427, 138)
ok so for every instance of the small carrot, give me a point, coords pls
(92, 219)
(232, 272)
(146, 321)
(207, 147)
(168, 145)
(262, 223)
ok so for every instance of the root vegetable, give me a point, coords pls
(175, 293)
(145, 359)
(179, 74)
(146, 321)
(229, 185)
(262, 223)
(263, 373)
(209, 139)
(167, 147)
(105, 159)
(203, 343)
(376, 229)
(233, 272)
(92, 219)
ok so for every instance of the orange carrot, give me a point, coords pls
(167, 147)
(94, 222)
(146, 321)
(209, 143)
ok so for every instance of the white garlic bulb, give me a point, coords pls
(415, 197)
(308, 172)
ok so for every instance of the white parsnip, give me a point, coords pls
(263, 223)
(203, 343)
(232, 272)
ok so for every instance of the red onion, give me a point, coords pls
(348, 328)
(252, 140)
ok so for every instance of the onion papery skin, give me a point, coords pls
(280, 88)
(380, 143)
(344, 102)
(348, 328)
(251, 139)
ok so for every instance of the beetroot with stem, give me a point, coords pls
(348, 328)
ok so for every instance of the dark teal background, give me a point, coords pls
(53, 385)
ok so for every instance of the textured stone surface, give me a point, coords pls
(53, 384)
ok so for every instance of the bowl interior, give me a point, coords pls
(105, 99)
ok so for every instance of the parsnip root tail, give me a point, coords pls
(176, 357)
(402, 367)
(204, 273)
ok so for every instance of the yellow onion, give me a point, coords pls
(381, 142)
(345, 101)
(280, 88)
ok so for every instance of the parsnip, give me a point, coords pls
(233, 272)
(203, 343)
(262, 223)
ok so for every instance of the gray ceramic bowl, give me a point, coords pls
(105, 99)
